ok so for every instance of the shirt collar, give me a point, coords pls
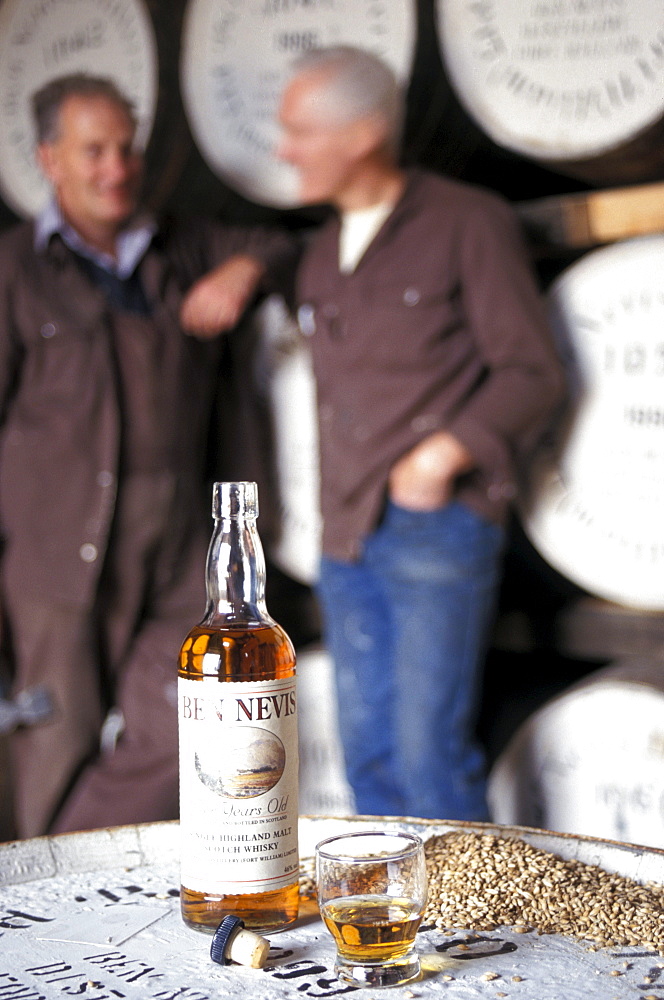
(132, 242)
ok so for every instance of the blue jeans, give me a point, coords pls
(407, 627)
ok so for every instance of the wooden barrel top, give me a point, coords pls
(574, 85)
(39, 42)
(97, 914)
(594, 511)
(235, 60)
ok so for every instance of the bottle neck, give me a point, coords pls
(236, 573)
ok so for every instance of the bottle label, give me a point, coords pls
(238, 785)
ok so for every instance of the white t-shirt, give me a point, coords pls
(358, 229)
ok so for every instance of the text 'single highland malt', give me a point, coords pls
(238, 738)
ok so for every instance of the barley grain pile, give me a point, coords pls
(481, 881)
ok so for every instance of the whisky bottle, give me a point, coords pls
(238, 738)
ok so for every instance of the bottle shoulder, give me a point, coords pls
(237, 653)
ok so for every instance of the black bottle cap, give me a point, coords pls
(221, 937)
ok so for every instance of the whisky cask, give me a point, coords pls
(285, 382)
(102, 907)
(590, 760)
(236, 58)
(576, 86)
(324, 790)
(589, 218)
(593, 499)
(122, 39)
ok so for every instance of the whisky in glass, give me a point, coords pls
(372, 890)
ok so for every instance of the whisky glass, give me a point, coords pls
(372, 891)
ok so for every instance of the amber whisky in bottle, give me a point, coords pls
(238, 738)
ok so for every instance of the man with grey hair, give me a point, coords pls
(435, 375)
(106, 411)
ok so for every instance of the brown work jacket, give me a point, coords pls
(440, 326)
(61, 401)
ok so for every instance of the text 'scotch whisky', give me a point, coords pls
(238, 738)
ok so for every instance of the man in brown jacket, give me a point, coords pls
(435, 372)
(106, 408)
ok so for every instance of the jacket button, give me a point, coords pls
(48, 330)
(306, 317)
(412, 296)
(105, 478)
(425, 422)
(501, 491)
(88, 552)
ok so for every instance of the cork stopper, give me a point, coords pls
(232, 943)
